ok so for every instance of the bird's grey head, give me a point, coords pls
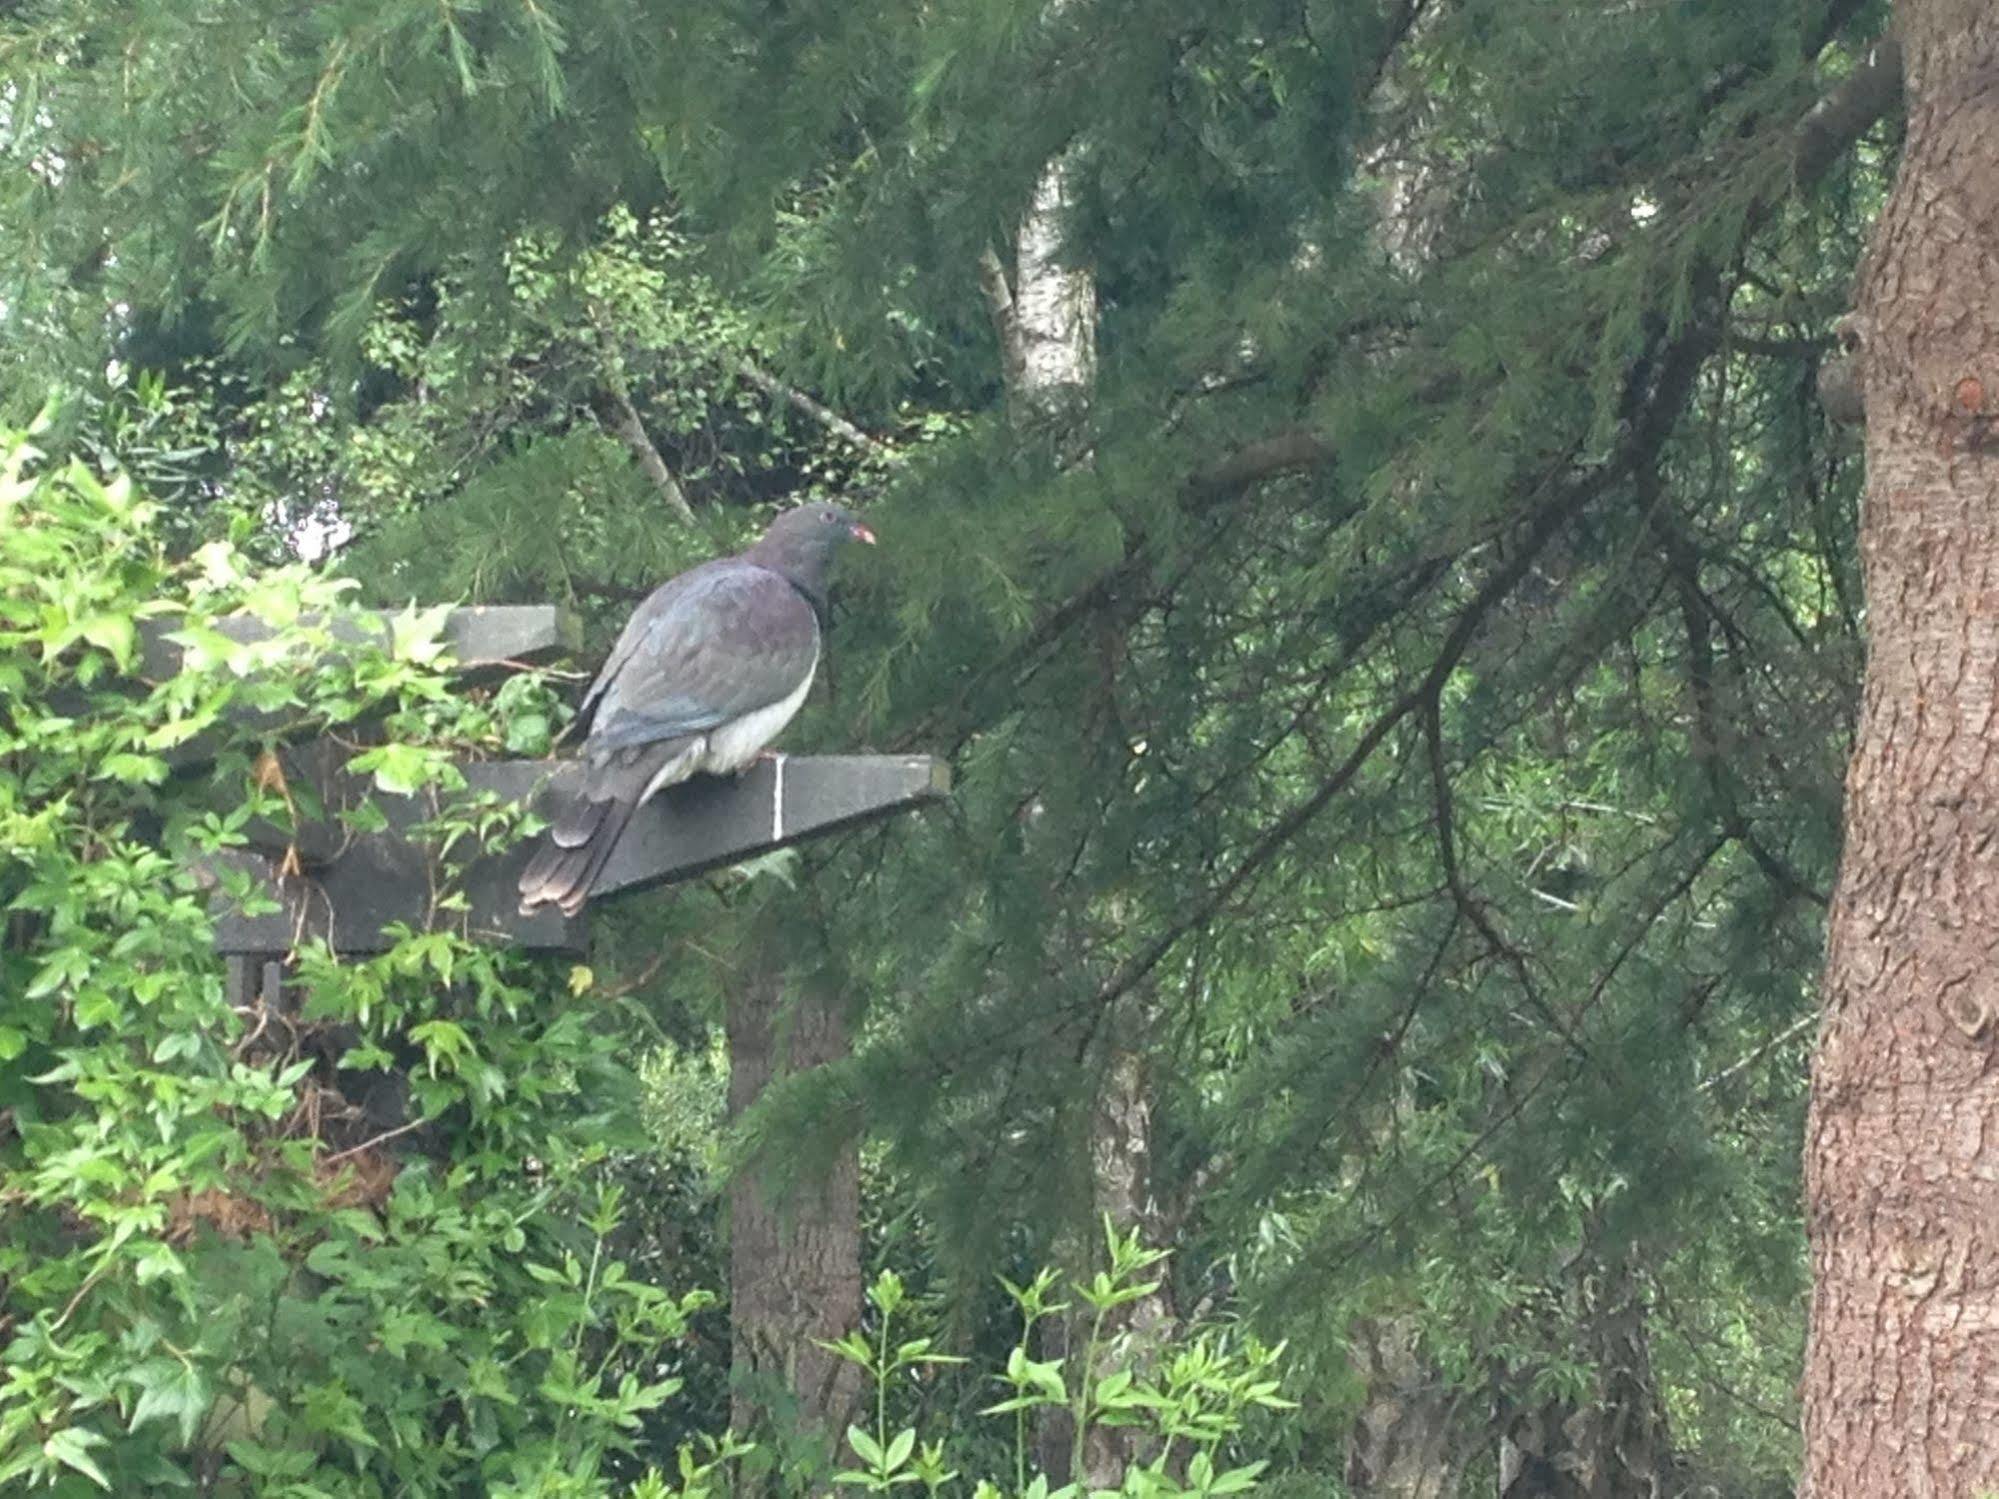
(802, 543)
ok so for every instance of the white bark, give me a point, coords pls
(1046, 317)
(1054, 350)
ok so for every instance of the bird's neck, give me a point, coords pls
(802, 569)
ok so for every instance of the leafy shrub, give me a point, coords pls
(1187, 1402)
(217, 1267)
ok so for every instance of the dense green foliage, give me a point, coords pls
(1415, 733)
(195, 1262)
(204, 1280)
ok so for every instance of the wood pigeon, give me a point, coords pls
(709, 668)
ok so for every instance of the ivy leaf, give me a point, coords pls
(528, 735)
(116, 634)
(71, 1447)
(170, 1390)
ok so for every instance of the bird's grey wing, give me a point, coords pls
(719, 641)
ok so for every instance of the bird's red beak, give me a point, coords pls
(861, 533)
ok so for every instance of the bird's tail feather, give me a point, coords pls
(588, 823)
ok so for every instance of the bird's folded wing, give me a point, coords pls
(717, 642)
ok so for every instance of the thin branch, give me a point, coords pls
(798, 400)
(381, 1139)
(1783, 1038)
(998, 295)
(630, 428)
(631, 985)
(631, 431)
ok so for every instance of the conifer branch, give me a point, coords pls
(1818, 141)
(1652, 422)
(1527, 1092)
(1444, 814)
(1848, 112)
(1696, 612)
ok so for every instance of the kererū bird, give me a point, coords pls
(709, 668)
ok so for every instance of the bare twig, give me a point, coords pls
(798, 400)
(644, 976)
(1781, 1039)
(631, 431)
(381, 1139)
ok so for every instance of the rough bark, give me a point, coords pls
(1614, 1442)
(1409, 1440)
(794, 1257)
(1901, 1389)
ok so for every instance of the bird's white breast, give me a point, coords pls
(733, 745)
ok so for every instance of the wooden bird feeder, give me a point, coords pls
(327, 881)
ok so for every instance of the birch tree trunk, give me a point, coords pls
(1046, 315)
(1046, 319)
(1901, 1389)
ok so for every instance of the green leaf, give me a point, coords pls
(116, 634)
(71, 1447)
(1238, 1480)
(900, 1446)
(529, 734)
(171, 1390)
(865, 1447)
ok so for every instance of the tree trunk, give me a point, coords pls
(1613, 1442)
(794, 1259)
(1408, 1441)
(1901, 1389)
(1046, 318)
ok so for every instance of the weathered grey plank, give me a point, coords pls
(480, 636)
(351, 888)
(482, 639)
(710, 822)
